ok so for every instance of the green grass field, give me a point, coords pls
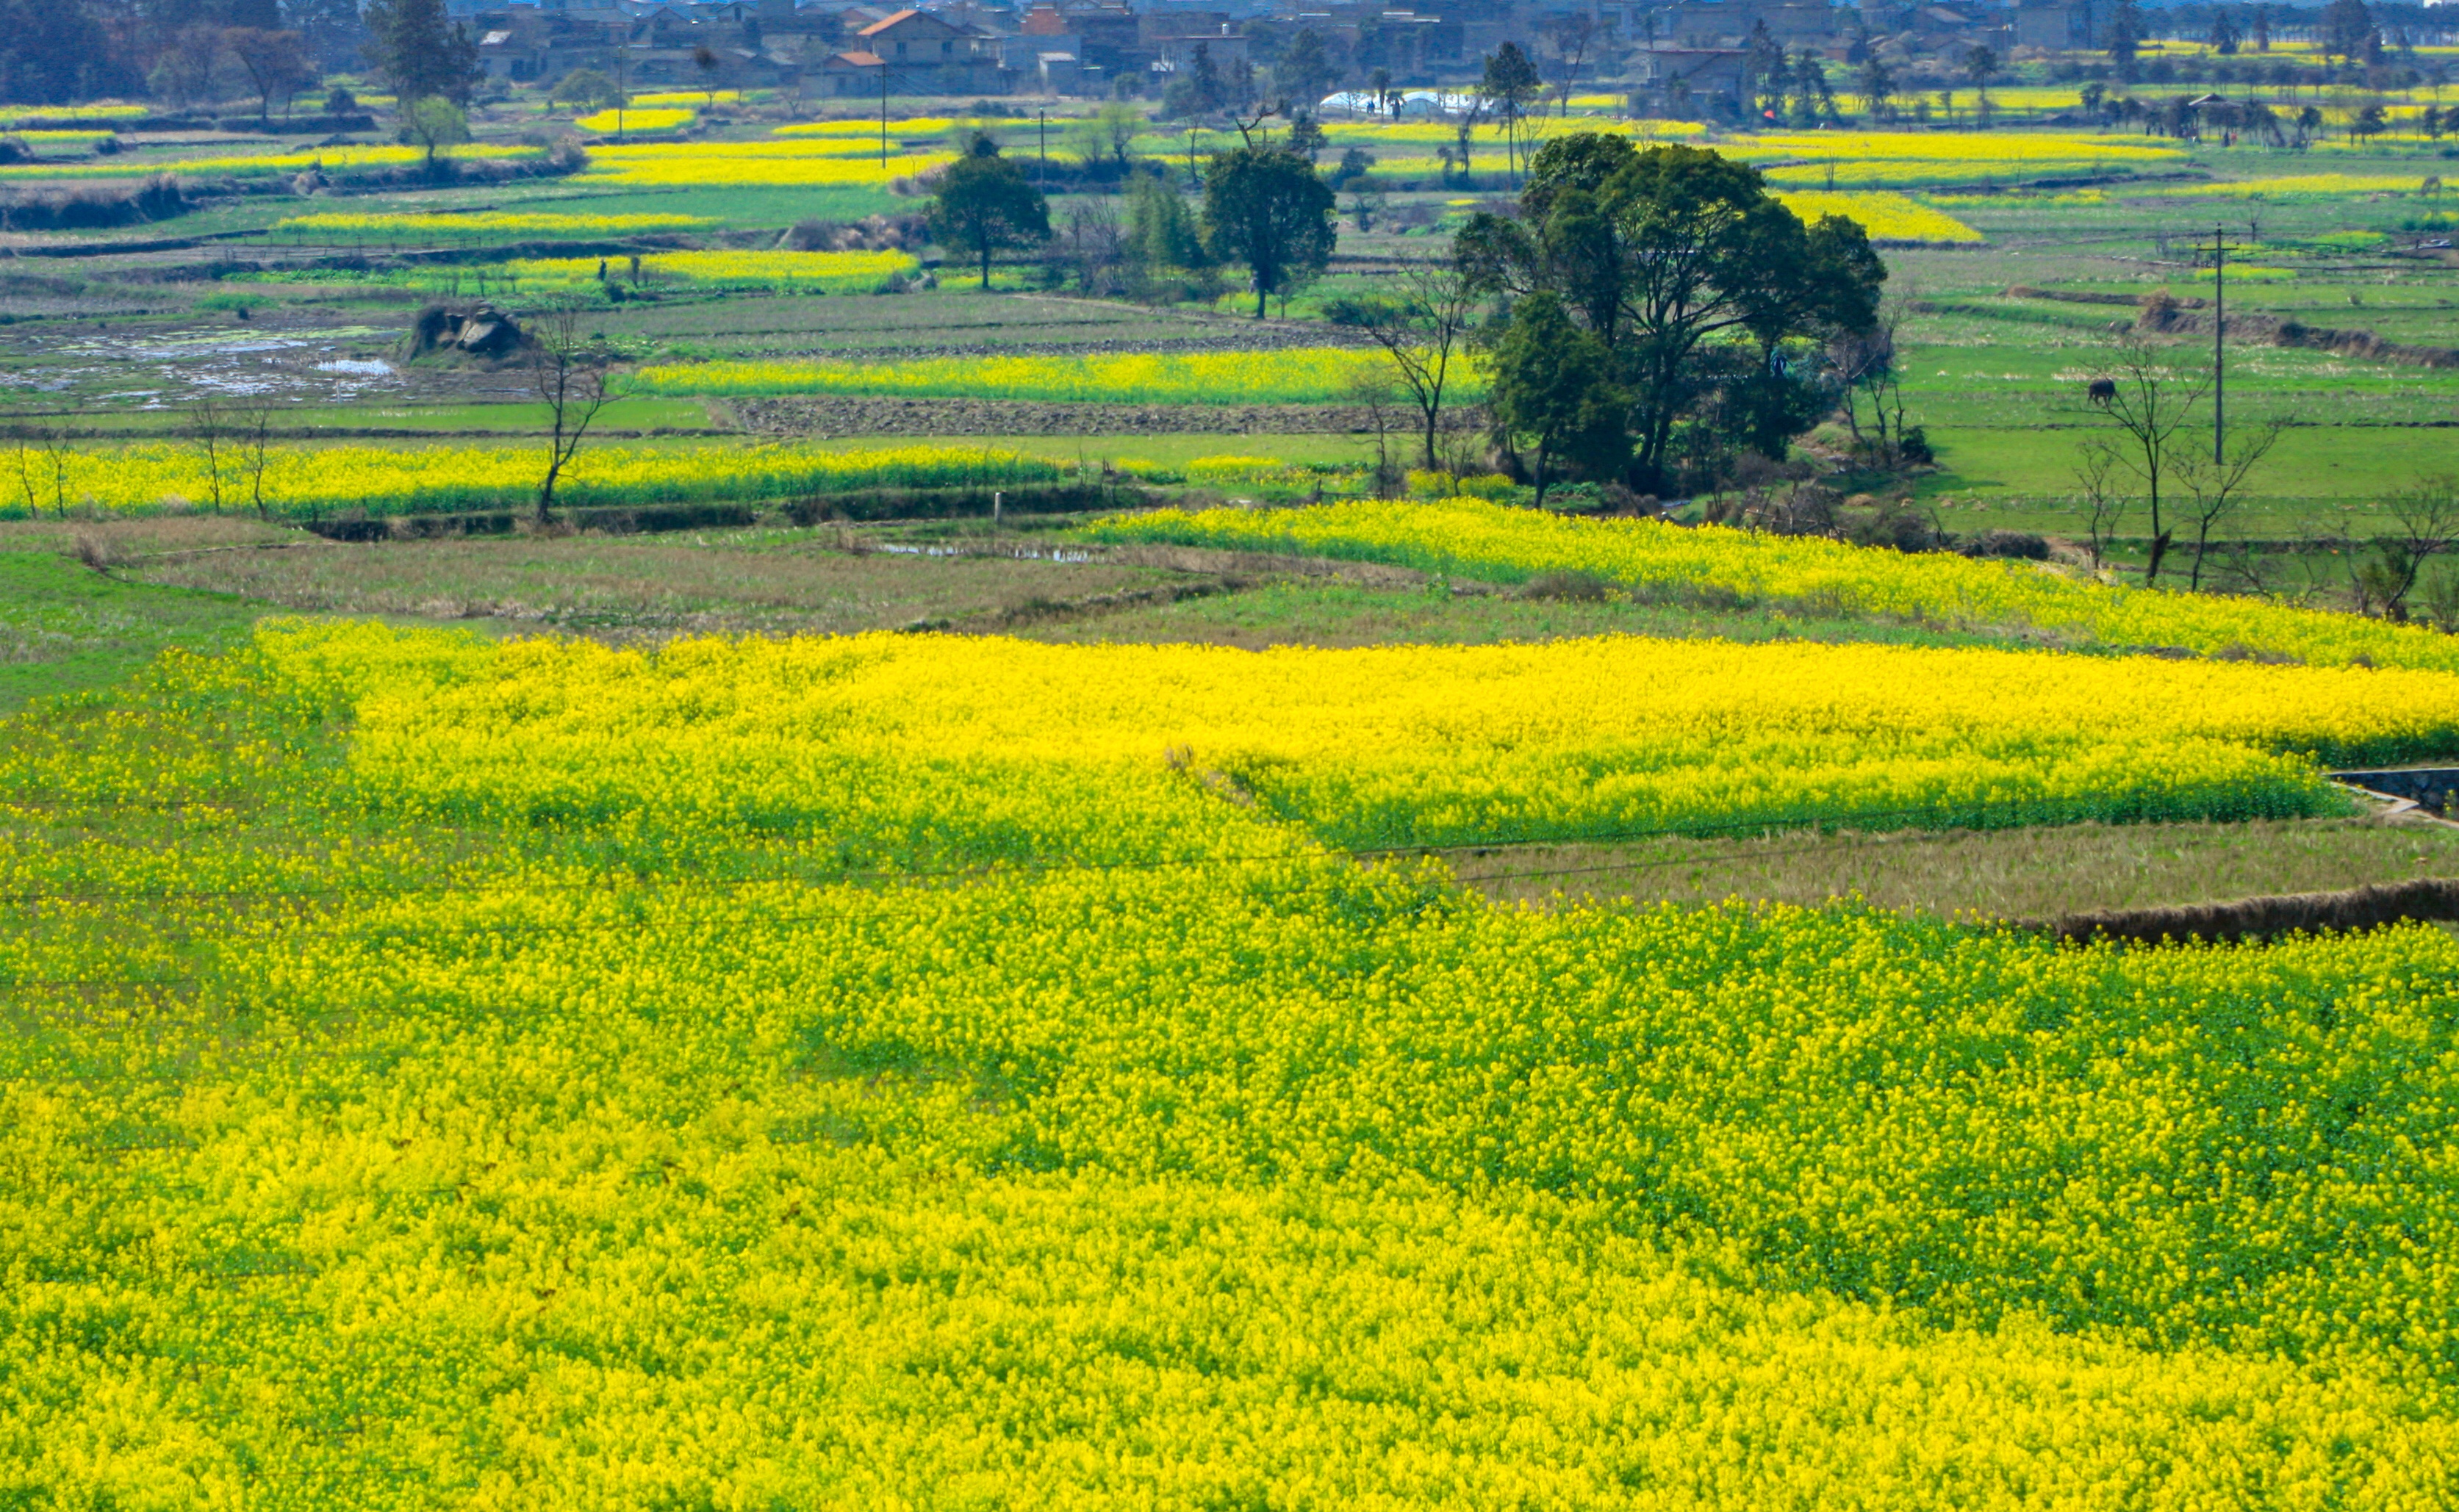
(65, 629)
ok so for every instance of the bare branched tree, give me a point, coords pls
(276, 64)
(253, 437)
(2148, 401)
(2440, 593)
(57, 452)
(569, 371)
(2425, 524)
(1424, 328)
(1571, 36)
(1867, 372)
(2245, 568)
(2214, 490)
(26, 475)
(210, 423)
(2099, 499)
(1375, 392)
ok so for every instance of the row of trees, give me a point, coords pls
(187, 51)
(1645, 314)
(54, 51)
(1304, 66)
(1265, 208)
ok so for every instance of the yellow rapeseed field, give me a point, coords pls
(1288, 376)
(1858, 159)
(689, 98)
(608, 121)
(100, 111)
(256, 163)
(305, 482)
(817, 161)
(1405, 747)
(447, 1071)
(838, 271)
(1249, 469)
(484, 223)
(2302, 186)
(331, 159)
(917, 126)
(1885, 216)
(1478, 538)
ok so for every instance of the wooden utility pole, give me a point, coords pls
(623, 71)
(883, 115)
(2219, 336)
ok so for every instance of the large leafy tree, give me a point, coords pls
(1304, 71)
(434, 123)
(2346, 26)
(52, 51)
(332, 29)
(987, 202)
(419, 52)
(1554, 386)
(276, 63)
(1763, 60)
(1266, 208)
(1509, 85)
(2124, 30)
(1682, 266)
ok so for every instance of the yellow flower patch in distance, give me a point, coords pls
(913, 126)
(1885, 216)
(2012, 200)
(610, 121)
(1298, 375)
(1475, 538)
(482, 222)
(1342, 132)
(696, 151)
(1979, 148)
(1859, 160)
(331, 159)
(100, 112)
(302, 482)
(837, 271)
(2306, 186)
(1243, 470)
(817, 161)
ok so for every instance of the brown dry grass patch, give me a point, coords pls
(655, 585)
(2007, 874)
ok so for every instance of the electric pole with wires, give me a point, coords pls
(2219, 337)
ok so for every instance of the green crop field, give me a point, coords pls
(659, 848)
